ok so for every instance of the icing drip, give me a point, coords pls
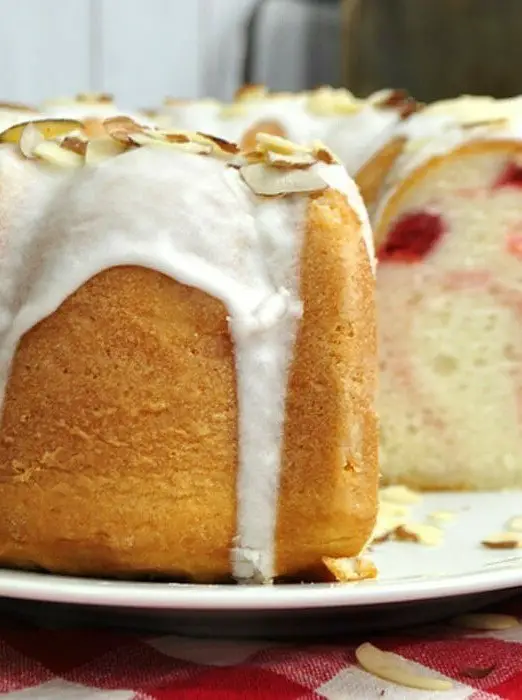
(193, 219)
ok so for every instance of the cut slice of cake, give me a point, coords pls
(449, 289)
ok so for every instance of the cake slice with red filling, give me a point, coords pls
(449, 242)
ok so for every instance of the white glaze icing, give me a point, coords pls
(288, 112)
(193, 219)
(354, 136)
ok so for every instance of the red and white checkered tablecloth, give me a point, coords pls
(83, 664)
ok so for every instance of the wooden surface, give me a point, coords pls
(434, 48)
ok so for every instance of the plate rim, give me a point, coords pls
(50, 588)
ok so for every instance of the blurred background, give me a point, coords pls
(142, 50)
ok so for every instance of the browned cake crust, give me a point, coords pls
(118, 448)
(371, 177)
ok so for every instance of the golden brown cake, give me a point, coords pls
(187, 349)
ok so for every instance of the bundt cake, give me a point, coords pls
(187, 355)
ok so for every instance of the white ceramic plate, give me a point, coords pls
(409, 573)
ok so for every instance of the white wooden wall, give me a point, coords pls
(140, 50)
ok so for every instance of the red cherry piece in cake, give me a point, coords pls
(411, 238)
(511, 176)
(514, 244)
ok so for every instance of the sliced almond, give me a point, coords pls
(94, 97)
(247, 93)
(30, 138)
(295, 160)
(485, 621)
(268, 127)
(141, 138)
(52, 153)
(171, 137)
(382, 97)
(192, 147)
(93, 128)
(234, 110)
(347, 570)
(145, 139)
(272, 182)
(498, 123)
(388, 98)
(389, 517)
(503, 540)
(102, 149)
(48, 128)
(76, 144)
(327, 101)
(399, 100)
(419, 533)
(18, 107)
(393, 510)
(175, 102)
(323, 153)
(441, 516)
(221, 144)
(385, 528)
(389, 667)
(241, 159)
(399, 494)
(122, 129)
(515, 524)
(278, 144)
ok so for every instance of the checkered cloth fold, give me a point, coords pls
(83, 664)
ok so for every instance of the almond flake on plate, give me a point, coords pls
(390, 667)
(419, 533)
(393, 510)
(348, 570)
(503, 540)
(441, 516)
(515, 524)
(400, 494)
